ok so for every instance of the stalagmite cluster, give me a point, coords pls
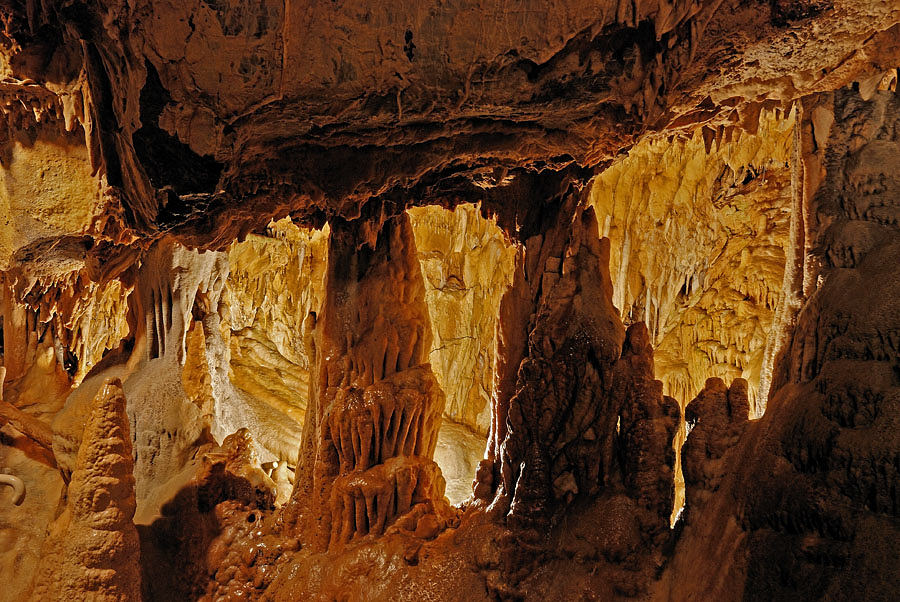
(469, 300)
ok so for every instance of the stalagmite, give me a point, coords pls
(92, 551)
(372, 427)
(586, 422)
(717, 417)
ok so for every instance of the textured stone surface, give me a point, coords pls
(698, 230)
(151, 151)
(92, 549)
(467, 265)
(274, 282)
(817, 511)
(198, 115)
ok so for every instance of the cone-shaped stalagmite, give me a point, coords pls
(92, 551)
(586, 414)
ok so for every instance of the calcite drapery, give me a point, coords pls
(169, 283)
(372, 422)
(698, 226)
(816, 476)
(92, 551)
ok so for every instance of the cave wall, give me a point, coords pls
(699, 228)
(273, 284)
(817, 507)
(136, 134)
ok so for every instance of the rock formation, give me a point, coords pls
(374, 412)
(698, 228)
(449, 300)
(817, 504)
(92, 551)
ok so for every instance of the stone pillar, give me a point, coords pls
(92, 551)
(577, 410)
(371, 429)
(717, 417)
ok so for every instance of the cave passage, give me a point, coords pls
(373, 300)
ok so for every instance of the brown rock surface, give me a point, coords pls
(299, 237)
(92, 551)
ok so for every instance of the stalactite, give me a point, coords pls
(716, 231)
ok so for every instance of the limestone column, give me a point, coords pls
(371, 428)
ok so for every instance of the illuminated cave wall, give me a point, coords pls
(277, 279)
(699, 229)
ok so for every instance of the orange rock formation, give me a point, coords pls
(464, 299)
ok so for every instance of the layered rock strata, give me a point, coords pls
(194, 117)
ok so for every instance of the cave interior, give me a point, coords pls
(449, 300)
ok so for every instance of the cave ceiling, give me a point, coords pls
(206, 119)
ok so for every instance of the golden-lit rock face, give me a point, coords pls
(383, 300)
(467, 265)
(57, 325)
(699, 228)
(47, 190)
(274, 282)
(831, 419)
